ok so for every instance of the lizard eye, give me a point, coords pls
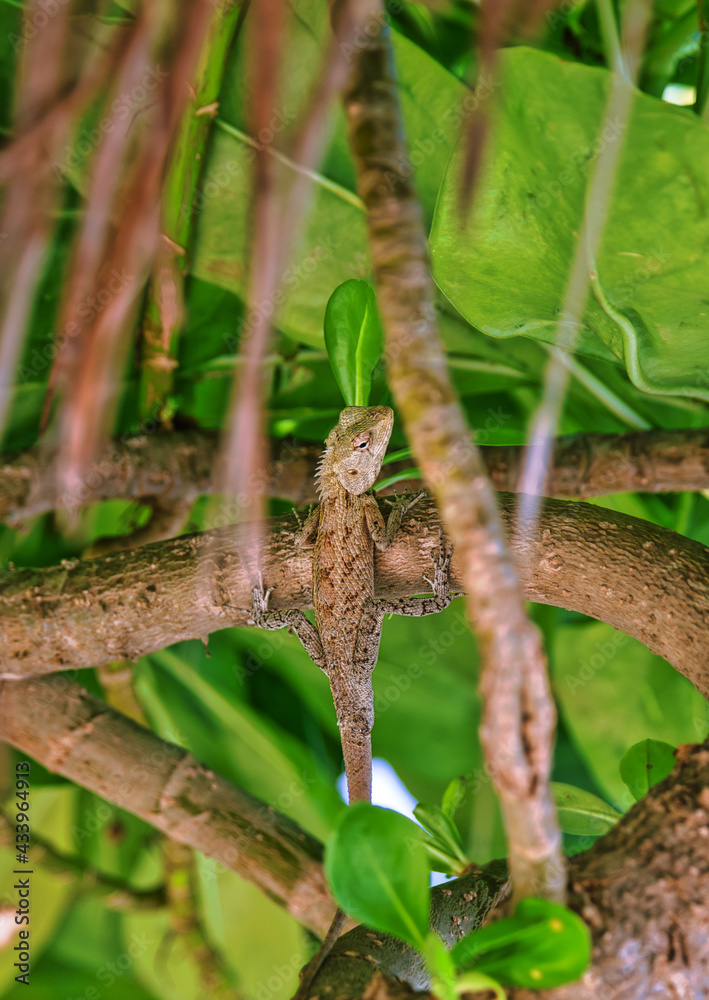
(361, 443)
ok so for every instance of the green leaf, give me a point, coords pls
(613, 692)
(442, 829)
(645, 764)
(376, 866)
(453, 797)
(354, 338)
(398, 477)
(581, 812)
(506, 266)
(440, 966)
(543, 944)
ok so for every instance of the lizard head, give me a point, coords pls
(355, 448)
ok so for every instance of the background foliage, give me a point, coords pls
(251, 705)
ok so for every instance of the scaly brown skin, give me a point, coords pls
(348, 618)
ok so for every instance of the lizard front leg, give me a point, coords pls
(384, 534)
(292, 618)
(370, 627)
(306, 529)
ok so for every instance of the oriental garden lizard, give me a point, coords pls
(344, 642)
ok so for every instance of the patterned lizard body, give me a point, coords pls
(348, 618)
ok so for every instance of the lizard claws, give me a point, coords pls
(260, 599)
(441, 561)
(405, 501)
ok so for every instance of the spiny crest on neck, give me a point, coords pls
(354, 451)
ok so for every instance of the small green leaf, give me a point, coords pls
(378, 872)
(453, 797)
(476, 982)
(396, 456)
(354, 338)
(440, 966)
(442, 829)
(645, 764)
(581, 812)
(542, 945)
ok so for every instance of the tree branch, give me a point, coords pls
(71, 732)
(177, 466)
(518, 709)
(647, 581)
(643, 890)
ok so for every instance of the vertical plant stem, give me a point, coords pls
(700, 104)
(548, 415)
(611, 38)
(164, 310)
(518, 724)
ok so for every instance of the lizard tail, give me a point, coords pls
(354, 701)
(357, 751)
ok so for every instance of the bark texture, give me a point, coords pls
(643, 890)
(61, 725)
(651, 583)
(178, 466)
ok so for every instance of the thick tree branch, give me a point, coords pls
(518, 714)
(651, 583)
(71, 732)
(643, 890)
(178, 466)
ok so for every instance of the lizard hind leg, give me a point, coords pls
(441, 565)
(288, 618)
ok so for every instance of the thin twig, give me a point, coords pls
(548, 415)
(519, 717)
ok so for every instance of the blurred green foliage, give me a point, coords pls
(252, 705)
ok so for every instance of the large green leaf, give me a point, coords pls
(333, 245)
(541, 945)
(613, 692)
(506, 265)
(377, 868)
